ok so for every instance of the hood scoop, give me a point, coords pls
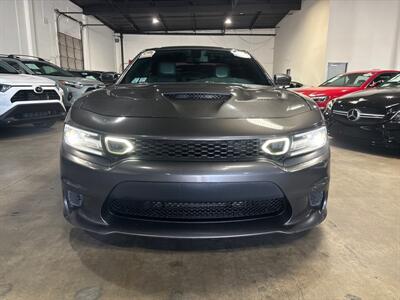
(197, 96)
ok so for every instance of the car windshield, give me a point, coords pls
(394, 82)
(7, 69)
(195, 65)
(351, 80)
(44, 68)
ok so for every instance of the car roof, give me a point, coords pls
(189, 47)
(86, 71)
(33, 60)
(374, 71)
(192, 47)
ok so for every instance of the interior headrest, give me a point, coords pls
(221, 72)
(167, 68)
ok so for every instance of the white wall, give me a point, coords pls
(301, 41)
(100, 47)
(363, 33)
(261, 47)
(13, 33)
(366, 34)
(29, 27)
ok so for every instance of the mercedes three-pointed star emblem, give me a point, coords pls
(353, 114)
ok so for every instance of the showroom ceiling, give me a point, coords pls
(138, 16)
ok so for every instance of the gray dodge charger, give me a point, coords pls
(195, 142)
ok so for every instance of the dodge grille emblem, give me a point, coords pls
(38, 90)
(353, 114)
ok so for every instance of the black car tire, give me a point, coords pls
(45, 124)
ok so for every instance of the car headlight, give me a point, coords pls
(298, 144)
(118, 146)
(83, 140)
(308, 141)
(60, 91)
(320, 98)
(73, 84)
(4, 88)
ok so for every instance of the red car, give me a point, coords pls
(345, 84)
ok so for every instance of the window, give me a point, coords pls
(70, 52)
(45, 68)
(380, 79)
(7, 69)
(393, 82)
(16, 66)
(196, 65)
(351, 80)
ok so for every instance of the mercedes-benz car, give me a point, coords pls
(28, 99)
(371, 116)
(72, 85)
(195, 142)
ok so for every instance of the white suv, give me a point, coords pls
(28, 99)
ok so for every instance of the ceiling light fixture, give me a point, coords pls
(228, 21)
(155, 21)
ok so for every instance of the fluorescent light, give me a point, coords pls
(155, 21)
(228, 21)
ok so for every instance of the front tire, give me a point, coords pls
(45, 124)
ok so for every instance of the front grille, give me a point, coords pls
(191, 150)
(195, 211)
(33, 111)
(362, 115)
(198, 96)
(30, 95)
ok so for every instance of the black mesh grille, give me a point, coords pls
(197, 96)
(32, 111)
(30, 95)
(162, 210)
(228, 150)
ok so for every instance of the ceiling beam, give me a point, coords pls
(108, 24)
(254, 20)
(194, 22)
(234, 4)
(122, 13)
(134, 8)
(163, 22)
(197, 33)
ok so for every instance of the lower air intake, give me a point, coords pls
(196, 211)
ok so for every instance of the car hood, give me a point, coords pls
(24, 79)
(379, 99)
(332, 92)
(159, 101)
(81, 80)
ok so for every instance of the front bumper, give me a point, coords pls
(382, 134)
(32, 113)
(93, 184)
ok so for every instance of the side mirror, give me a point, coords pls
(109, 77)
(282, 80)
